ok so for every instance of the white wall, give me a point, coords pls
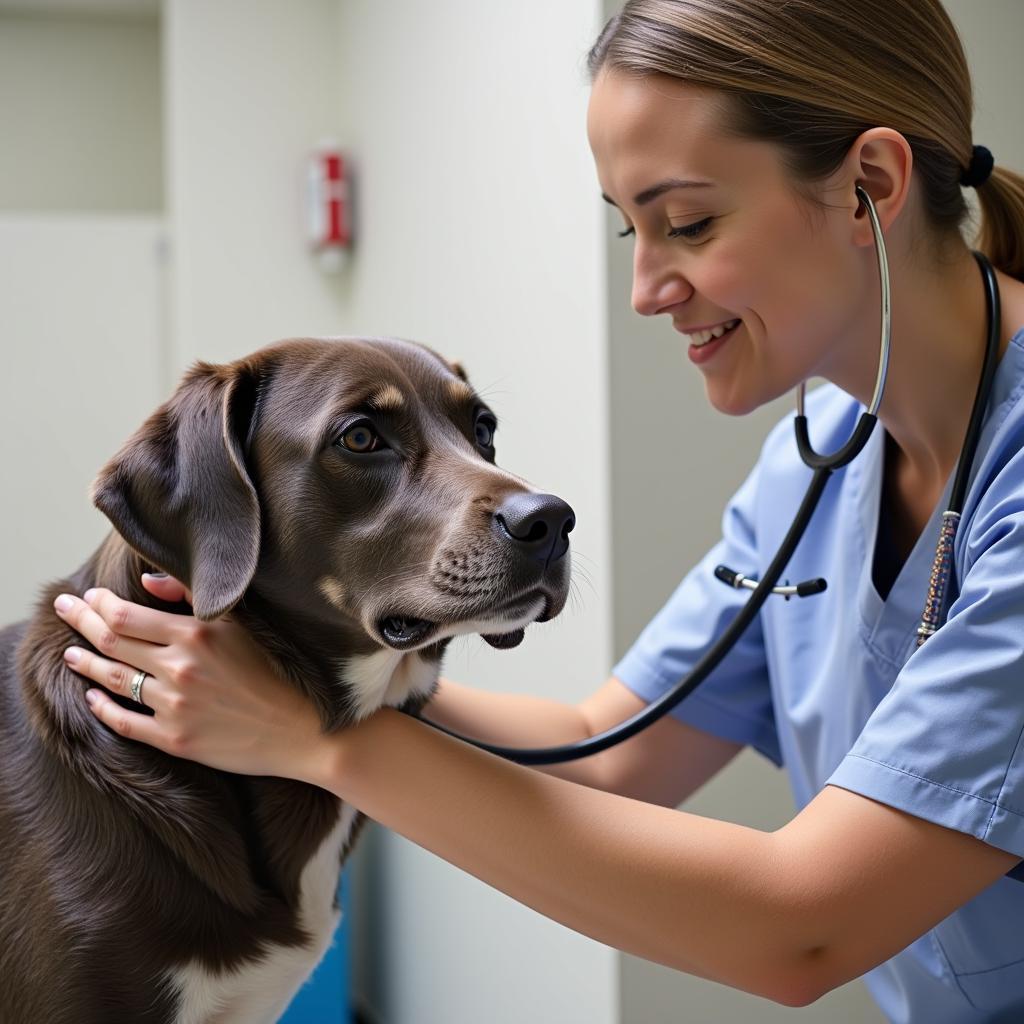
(481, 234)
(82, 342)
(251, 86)
(82, 283)
(475, 236)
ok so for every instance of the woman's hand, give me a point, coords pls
(214, 694)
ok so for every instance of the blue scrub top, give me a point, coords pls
(833, 688)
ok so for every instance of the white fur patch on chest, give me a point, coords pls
(259, 992)
(387, 677)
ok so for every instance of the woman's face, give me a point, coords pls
(737, 245)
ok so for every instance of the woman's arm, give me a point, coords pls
(786, 915)
(665, 765)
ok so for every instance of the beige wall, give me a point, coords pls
(481, 233)
(80, 109)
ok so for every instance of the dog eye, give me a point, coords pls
(361, 439)
(485, 428)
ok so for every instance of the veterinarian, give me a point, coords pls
(734, 137)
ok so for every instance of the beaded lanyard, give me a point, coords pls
(943, 564)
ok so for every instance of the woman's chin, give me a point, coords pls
(739, 396)
(732, 401)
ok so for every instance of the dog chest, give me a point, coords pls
(386, 678)
(259, 992)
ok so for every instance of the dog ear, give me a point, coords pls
(458, 369)
(179, 491)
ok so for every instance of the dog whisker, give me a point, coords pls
(488, 390)
(582, 576)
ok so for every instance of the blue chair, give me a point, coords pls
(325, 998)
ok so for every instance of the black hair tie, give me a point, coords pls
(980, 168)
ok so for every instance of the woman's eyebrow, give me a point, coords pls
(650, 194)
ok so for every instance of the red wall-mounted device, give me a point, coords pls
(329, 200)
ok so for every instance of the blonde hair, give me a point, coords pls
(812, 75)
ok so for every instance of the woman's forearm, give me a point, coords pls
(510, 719)
(515, 720)
(699, 895)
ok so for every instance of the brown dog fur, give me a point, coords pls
(121, 863)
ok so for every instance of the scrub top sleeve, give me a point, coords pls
(945, 743)
(734, 702)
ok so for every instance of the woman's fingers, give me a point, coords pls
(215, 695)
(167, 588)
(127, 619)
(130, 724)
(106, 638)
(113, 675)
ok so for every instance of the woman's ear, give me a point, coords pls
(881, 161)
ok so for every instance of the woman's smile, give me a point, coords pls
(704, 345)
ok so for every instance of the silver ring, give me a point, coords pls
(137, 681)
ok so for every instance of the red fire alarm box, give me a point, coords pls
(329, 200)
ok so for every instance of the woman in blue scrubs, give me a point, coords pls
(730, 135)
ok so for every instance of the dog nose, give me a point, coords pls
(539, 523)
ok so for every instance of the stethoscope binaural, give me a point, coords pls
(823, 466)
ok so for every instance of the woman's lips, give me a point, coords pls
(704, 335)
(701, 353)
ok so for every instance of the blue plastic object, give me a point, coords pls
(325, 998)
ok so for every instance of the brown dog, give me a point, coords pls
(339, 499)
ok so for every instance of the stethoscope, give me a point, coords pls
(823, 466)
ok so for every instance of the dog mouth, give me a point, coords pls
(405, 632)
(513, 638)
(505, 641)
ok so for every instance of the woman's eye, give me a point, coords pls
(686, 231)
(485, 428)
(361, 439)
(690, 230)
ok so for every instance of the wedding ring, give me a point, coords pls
(137, 681)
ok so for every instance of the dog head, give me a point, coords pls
(348, 485)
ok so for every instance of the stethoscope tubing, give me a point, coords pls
(988, 372)
(822, 467)
(859, 437)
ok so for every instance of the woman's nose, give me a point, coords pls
(656, 285)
